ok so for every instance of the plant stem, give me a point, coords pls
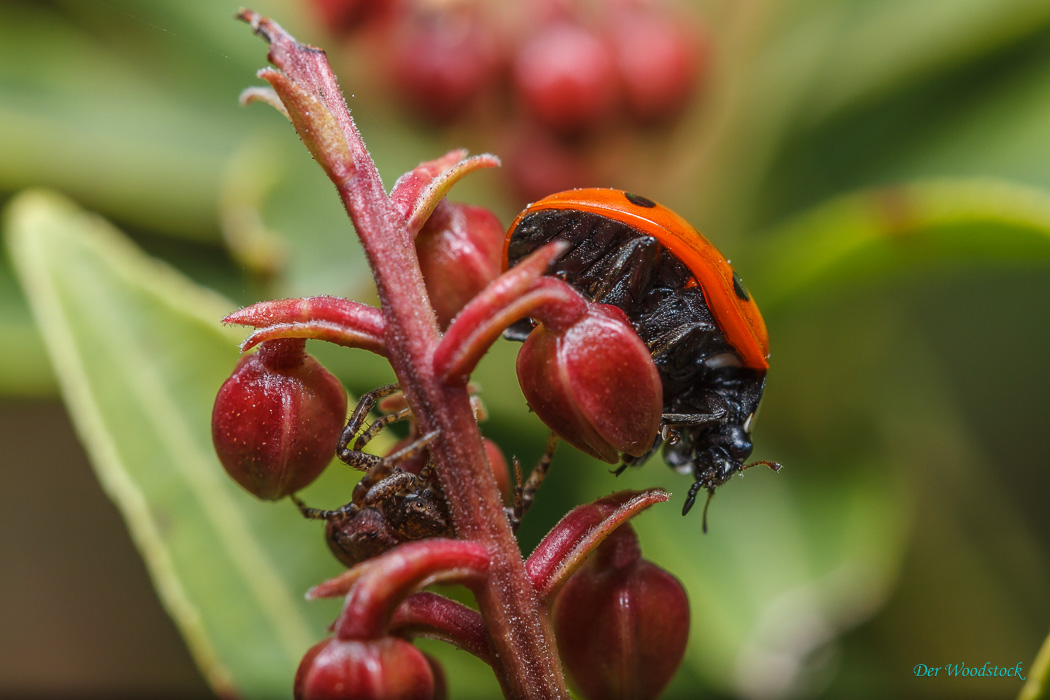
(522, 637)
(526, 659)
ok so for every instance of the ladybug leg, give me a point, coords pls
(718, 411)
(661, 345)
(632, 261)
(692, 418)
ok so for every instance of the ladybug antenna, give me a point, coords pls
(775, 466)
(707, 504)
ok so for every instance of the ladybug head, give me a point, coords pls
(713, 453)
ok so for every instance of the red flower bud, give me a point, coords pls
(388, 668)
(277, 418)
(459, 251)
(342, 17)
(567, 78)
(443, 61)
(622, 622)
(659, 59)
(539, 163)
(594, 383)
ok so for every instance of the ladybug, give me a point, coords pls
(686, 303)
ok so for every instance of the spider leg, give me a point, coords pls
(381, 422)
(525, 495)
(319, 514)
(538, 473)
(357, 419)
(389, 487)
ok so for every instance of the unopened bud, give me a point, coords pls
(277, 418)
(594, 384)
(622, 623)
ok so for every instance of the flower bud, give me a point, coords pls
(277, 418)
(459, 251)
(388, 668)
(539, 163)
(622, 622)
(594, 384)
(567, 78)
(659, 60)
(343, 17)
(443, 61)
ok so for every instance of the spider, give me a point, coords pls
(390, 505)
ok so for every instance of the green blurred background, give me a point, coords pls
(879, 173)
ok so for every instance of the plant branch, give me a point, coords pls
(393, 575)
(518, 623)
(436, 617)
(340, 321)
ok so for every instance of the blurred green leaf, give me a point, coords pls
(884, 46)
(832, 95)
(24, 369)
(786, 567)
(889, 230)
(139, 353)
(1038, 685)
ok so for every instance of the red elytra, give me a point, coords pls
(729, 301)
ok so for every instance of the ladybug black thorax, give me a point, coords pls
(612, 263)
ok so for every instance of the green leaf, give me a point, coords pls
(880, 47)
(884, 231)
(24, 369)
(1038, 685)
(139, 353)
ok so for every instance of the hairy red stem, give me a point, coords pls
(527, 663)
(437, 617)
(397, 573)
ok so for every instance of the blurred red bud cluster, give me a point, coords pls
(556, 81)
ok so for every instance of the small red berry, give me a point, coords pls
(622, 623)
(659, 62)
(343, 17)
(567, 78)
(594, 384)
(442, 61)
(388, 668)
(539, 163)
(277, 418)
